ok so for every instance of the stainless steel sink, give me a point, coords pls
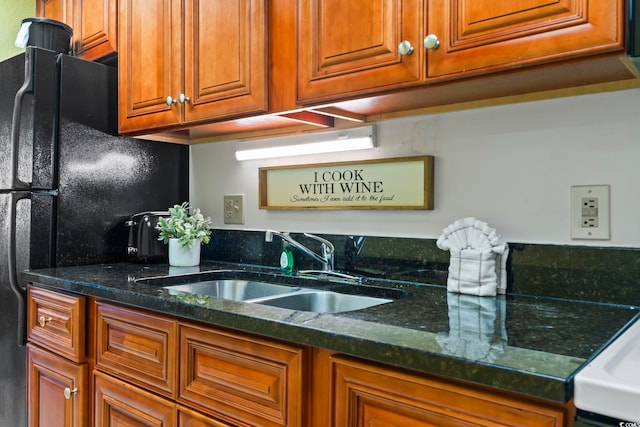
(322, 301)
(233, 289)
(291, 292)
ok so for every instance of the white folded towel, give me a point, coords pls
(478, 258)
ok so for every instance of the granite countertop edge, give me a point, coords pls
(301, 328)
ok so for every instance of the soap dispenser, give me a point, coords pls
(286, 258)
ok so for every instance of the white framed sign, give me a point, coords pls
(397, 183)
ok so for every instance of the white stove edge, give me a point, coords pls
(610, 384)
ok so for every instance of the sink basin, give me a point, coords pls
(323, 301)
(610, 384)
(291, 292)
(233, 289)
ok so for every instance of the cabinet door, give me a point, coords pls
(367, 395)
(150, 63)
(241, 379)
(95, 29)
(225, 62)
(57, 390)
(59, 10)
(348, 48)
(120, 404)
(483, 35)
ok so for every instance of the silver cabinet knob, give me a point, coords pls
(182, 98)
(405, 48)
(431, 42)
(170, 101)
(68, 392)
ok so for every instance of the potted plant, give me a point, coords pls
(184, 226)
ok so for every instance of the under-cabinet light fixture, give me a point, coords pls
(309, 143)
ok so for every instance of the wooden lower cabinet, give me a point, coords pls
(156, 370)
(137, 346)
(241, 378)
(236, 379)
(365, 394)
(58, 390)
(56, 322)
(189, 418)
(118, 403)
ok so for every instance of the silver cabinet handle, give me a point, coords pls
(405, 48)
(431, 42)
(170, 101)
(182, 98)
(68, 392)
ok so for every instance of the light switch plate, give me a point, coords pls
(233, 209)
(590, 212)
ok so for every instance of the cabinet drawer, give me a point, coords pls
(57, 322)
(242, 379)
(120, 404)
(138, 347)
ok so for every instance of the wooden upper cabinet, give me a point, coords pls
(149, 63)
(221, 73)
(480, 36)
(350, 48)
(94, 24)
(225, 67)
(96, 28)
(59, 10)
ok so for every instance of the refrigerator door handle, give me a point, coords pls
(27, 87)
(21, 293)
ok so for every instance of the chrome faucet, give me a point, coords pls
(327, 250)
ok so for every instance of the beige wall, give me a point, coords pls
(511, 165)
(12, 12)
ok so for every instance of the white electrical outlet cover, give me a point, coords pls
(233, 209)
(584, 228)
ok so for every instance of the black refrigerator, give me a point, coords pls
(68, 183)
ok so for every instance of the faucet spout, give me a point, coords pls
(326, 257)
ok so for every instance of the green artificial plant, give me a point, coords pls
(185, 224)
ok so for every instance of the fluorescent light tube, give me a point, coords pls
(311, 143)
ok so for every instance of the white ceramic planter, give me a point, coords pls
(183, 256)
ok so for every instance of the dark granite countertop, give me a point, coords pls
(526, 344)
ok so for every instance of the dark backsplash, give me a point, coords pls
(604, 275)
